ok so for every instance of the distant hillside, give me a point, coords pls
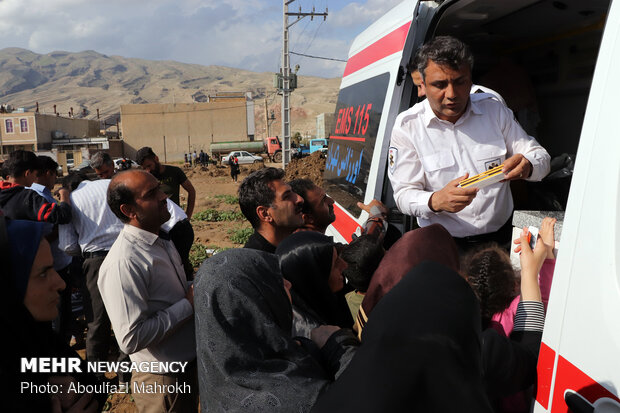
(95, 81)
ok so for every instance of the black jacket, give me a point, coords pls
(18, 202)
(258, 242)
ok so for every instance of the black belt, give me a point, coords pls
(95, 254)
(505, 230)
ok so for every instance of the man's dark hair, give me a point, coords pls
(19, 162)
(144, 154)
(444, 51)
(489, 272)
(254, 191)
(73, 180)
(301, 187)
(47, 164)
(101, 158)
(119, 194)
(412, 66)
(363, 256)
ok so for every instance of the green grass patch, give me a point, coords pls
(213, 215)
(240, 235)
(200, 252)
(197, 254)
(228, 199)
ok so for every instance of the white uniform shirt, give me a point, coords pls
(143, 287)
(426, 153)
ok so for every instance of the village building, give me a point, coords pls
(66, 139)
(174, 129)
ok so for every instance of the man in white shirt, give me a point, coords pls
(90, 234)
(148, 298)
(453, 135)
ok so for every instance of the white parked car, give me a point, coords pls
(121, 164)
(243, 157)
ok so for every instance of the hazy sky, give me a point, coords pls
(238, 33)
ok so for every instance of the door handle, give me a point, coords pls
(579, 404)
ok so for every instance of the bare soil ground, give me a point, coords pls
(213, 184)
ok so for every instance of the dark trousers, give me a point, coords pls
(501, 237)
(182, 236)
(98, 336)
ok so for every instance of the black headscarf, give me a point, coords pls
(306, 261)
(420, 351)
(28, 337)
(247, 359)
(432, 243)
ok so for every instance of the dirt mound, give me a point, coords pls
(311, 167)
(211, 170)
(248, 169)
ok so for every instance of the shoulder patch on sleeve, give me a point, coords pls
(392, 158)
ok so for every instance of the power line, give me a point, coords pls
(318, 57)
(313, 37)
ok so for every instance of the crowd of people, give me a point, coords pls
(192, 159)
(434, 320)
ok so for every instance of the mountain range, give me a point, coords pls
(90, 80)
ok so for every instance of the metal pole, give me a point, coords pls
(286, 133)
(266, 121)
(286, 78)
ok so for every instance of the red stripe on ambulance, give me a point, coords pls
(569, 377)
(387, 45)
(347, 138)
(546, 361)
(344, 223)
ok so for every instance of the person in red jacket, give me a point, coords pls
(18, 202)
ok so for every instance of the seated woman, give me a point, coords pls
(311, 263)
(30, 296)
(249, 362)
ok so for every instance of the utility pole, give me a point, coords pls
(266, 122)
(286, 77)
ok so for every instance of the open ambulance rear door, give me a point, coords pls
(373, 85)
(579, 362)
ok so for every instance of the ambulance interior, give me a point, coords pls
(540, 56)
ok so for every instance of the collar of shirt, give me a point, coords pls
(428, 114)
(140, 234)
(43, 191)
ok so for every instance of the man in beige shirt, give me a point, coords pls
(148, 298)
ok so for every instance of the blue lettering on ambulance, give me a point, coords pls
(344, 165)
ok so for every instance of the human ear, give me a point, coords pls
(128, 210)
(263, 214)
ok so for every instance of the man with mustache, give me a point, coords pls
(148, 298)
(453, 135)
(271, 206)
(318, 208)
(170, 177)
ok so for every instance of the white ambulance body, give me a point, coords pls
(570, 50)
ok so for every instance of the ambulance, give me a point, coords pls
(557, 65)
